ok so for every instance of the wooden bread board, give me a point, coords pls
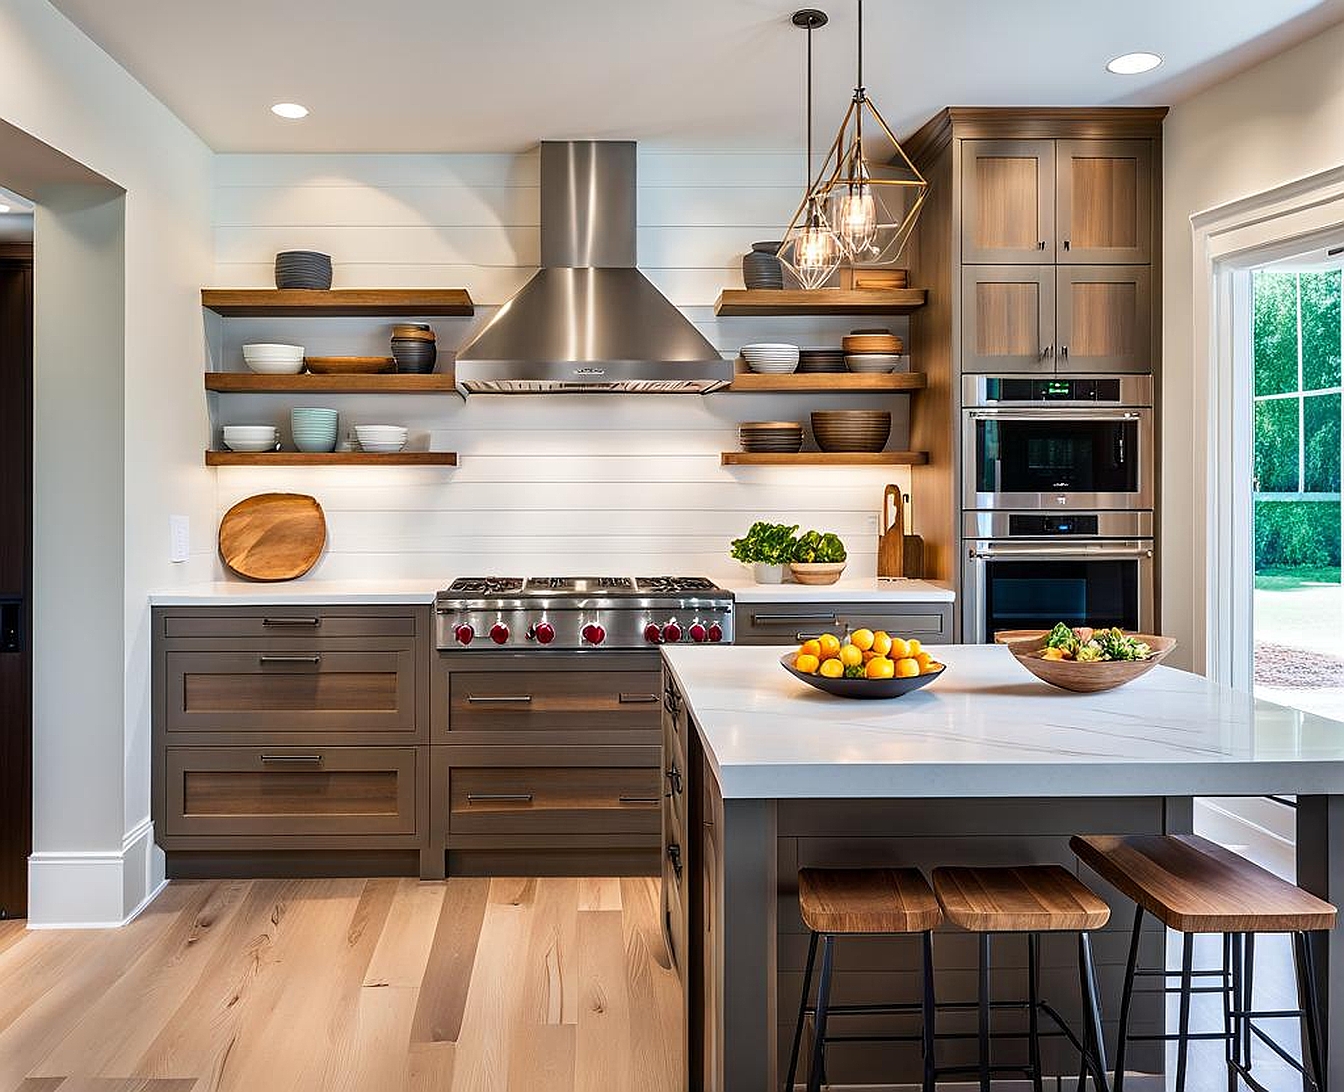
(273, 536)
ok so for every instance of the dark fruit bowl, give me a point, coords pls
(860, 688)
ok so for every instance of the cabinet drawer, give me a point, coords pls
(287, 623)
(547, 700)
(288, 791)
(534, 800)
(928, 622)
(785, 624)
(293, 690)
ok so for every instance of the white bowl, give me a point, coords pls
(251, 432)
(275, 367)
(235, 444)
(273, 350)
(876, 362)
(380, 432)
(385, 447)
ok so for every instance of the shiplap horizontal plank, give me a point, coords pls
(474, 244)
(725, 168)
(490, 285)
(461, 169)
(356, 205)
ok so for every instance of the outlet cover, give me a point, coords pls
(179, 538)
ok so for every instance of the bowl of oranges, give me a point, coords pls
(863, 664)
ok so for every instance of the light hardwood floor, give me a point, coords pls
(350, 986)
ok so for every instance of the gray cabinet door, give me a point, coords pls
(1008, 202)
(1105, 319)
(791, 623)
(1104, 202)
(1008, 318)
(569, 800)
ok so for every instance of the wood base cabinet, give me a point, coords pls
(788, 623)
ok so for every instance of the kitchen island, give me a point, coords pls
(984, 766)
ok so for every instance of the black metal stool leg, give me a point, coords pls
(1238, 953)
(983, 1025)
(819, 1024)
(1033, 1015)
(1311, 1013)
(1183, 1030)
(1127, 998)
(802, 1011)
(1094, 1041)
(1248, 998)
(1228, 996)
(927, 1016)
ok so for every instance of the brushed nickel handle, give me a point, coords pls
(1066, 244)
(499, 699)
(800, 637)
(291, 621)
(1047, 351)
(1064, 352)
(291, 758)
(515, 797)
(315, 658)
(674, 856)
(1040, 244)
(801, 616)
(639, 799)
(638, 699)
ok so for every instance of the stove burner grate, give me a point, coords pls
(573, 583)
(486, 585)
(673, 585)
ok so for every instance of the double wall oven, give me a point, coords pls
(1057, 502)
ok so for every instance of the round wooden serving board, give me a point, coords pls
(273, 536)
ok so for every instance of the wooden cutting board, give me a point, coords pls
(273, 536)
(891, 546)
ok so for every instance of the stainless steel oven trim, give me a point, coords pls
(1135, 391)
(1135, 523)
(1143, 497)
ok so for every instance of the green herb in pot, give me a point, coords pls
(814, 547)
(765, 543)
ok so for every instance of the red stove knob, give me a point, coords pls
(698, 632)
(671, 633)
(594, 634)
(653, 634)
(464, 634)
(499, 633)
(715, 631)
(544, 633)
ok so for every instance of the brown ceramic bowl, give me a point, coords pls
(1081, 678)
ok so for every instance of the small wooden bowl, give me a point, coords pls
(1082, 678)
(816, 572)
(348, 365)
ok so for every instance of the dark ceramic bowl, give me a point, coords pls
(860, 688)
(414, 355)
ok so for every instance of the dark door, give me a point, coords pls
(16, 568)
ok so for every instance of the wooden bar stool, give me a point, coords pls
(1194, 886)
(1033, 900)
(838, 902)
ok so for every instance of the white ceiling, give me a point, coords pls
(431, 75)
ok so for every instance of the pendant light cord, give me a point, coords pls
(807, 172)
(860, 83)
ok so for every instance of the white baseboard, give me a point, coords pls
(97, 889)
(1260, 829)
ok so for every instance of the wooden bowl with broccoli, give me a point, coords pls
(1083, 659)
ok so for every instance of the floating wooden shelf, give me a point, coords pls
(829, 382)
(382, 383)
(339, 302)
(820, 301)
(330, 458)
(824, 458)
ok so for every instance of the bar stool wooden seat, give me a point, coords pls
(1195, 886)
(1033, 900)
(837, 902)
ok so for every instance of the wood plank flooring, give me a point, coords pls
(468, 985)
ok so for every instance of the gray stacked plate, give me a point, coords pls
(761, 268)
(851, 430)
(303, 269)
(771, 436)
(821, 360)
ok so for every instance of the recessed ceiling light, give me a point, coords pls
(1131, 64)
(4, 209)
(291, 110)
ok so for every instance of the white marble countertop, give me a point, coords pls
(987, 728)
(246, 593)
(845, 590)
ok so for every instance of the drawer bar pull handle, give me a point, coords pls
(291, 758)
(803, 616)
(515, 797)
(315, 658)
(291, 621)
(639, 699)
(500, 699)
(639, 799)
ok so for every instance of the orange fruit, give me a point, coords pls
(900, 648)
(806, 663)
(850, 655)
(869, 655)
(882, 642)
(810, 648)
(879, 667)
(913, 646)
(862, 639)
(923, 659)
(934, 665)
(829, 644)
(832, 668)
(907, 667)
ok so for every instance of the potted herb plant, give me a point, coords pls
(818, 558)
(767, 548)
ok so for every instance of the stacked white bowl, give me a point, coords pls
(381, 438)
(267, 358)
(771, 357)
(251, 437)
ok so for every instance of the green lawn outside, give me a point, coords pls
(1283, 579)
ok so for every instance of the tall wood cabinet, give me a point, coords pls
(1039, 245)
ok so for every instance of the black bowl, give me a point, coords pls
(860, 688)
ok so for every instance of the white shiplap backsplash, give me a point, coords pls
(612, 483)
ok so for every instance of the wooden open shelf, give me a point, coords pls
(336, 302)
(820, 301)
(824, 458)
(382, 383)
(829, 383)
(330, 458)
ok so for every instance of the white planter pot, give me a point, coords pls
(767, 574)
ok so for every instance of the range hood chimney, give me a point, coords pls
(589, 321)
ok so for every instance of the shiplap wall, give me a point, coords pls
(613, 483)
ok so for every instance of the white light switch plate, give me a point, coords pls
(179, 538)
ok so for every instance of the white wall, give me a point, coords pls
(545, 483)
(1281, 120)
(92, 860)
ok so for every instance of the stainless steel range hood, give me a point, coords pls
(589, 321)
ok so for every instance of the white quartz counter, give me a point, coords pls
(244, 593)
(856, 590)
(987, 728)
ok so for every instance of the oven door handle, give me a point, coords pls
(1057, 413)
(1047, 553)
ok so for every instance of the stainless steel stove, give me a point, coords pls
(582, 612)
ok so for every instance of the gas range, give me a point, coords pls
(583, 612)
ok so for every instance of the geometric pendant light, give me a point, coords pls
(810, 249)
(873, 192)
